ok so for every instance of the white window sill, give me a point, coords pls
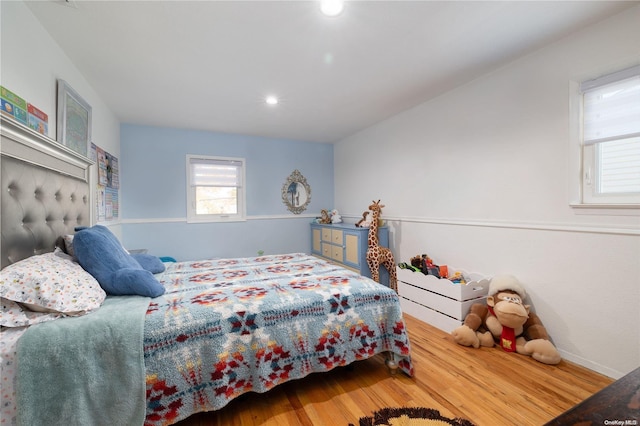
(218, 220)
(607, 209)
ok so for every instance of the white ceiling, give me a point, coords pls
(209, 64)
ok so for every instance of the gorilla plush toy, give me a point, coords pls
(505, 320)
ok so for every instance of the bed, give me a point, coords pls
(221, 327)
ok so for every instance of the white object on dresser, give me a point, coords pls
(440, 302)
(346, 245)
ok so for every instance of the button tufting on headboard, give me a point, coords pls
(31, 224)
(44, 192)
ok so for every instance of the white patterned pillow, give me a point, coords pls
(51, 283)
(13, 315)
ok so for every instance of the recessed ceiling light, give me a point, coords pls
(332, 7)
(271, 100)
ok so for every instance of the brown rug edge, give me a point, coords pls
(382, 416)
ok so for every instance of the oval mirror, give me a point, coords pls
(296, 193)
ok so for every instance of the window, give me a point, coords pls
(610, 139)
(215, 189)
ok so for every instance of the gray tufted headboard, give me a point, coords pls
(45, 192)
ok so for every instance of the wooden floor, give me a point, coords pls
(487, 386)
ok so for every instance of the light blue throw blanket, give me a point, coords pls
(88, 367)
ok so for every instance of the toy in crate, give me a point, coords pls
(424, 264)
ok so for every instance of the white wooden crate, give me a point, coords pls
(440, 302)
(478, 285)
(424, 314)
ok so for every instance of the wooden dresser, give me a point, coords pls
(346, 245)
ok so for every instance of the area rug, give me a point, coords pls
(410, 417)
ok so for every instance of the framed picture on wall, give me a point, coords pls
(74, 119)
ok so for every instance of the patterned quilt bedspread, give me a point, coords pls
(229, 326)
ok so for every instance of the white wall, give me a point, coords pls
(480, 178)
(31, 63)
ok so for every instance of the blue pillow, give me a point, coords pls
(100, 253)
(149, 262)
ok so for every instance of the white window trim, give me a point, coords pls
(577, 157)
(192, 217)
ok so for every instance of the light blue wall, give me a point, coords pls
(153, 192)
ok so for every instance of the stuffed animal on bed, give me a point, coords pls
(507, 321)
(100, 253)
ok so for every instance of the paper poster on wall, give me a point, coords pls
(100, 203)
(101, 162)
(107, 202)
(108, 206)
(113, 180)
(112, 203)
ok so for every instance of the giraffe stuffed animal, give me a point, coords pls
(377, 255)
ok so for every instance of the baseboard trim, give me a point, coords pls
(594, 366)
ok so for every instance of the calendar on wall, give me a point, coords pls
(107, 199)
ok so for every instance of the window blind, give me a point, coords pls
(612, 108)
(611, 114)
(221, 173)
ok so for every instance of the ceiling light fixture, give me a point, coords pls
(332, 7)
(271, 100)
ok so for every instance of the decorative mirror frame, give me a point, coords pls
(290, 187)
